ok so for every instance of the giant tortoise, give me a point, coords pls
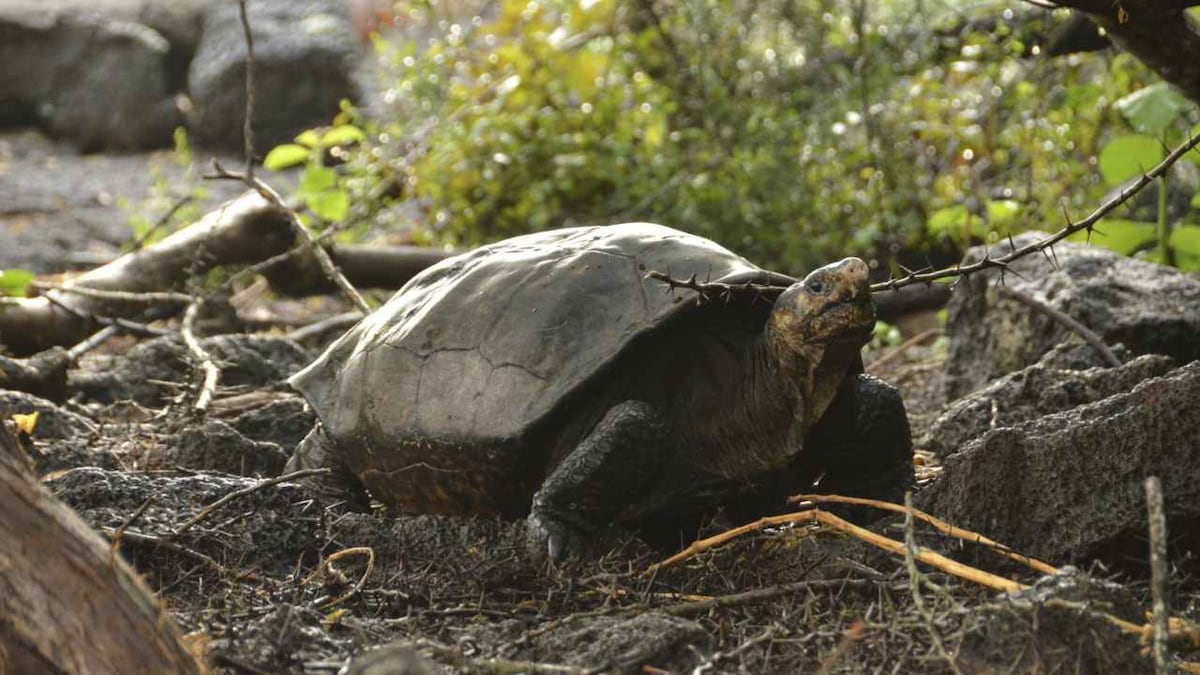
(546, 376)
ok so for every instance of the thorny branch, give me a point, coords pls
(717, 290)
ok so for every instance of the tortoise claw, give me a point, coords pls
(551, 537)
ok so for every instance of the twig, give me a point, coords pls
(1063, 318)
(115, 546)
(147, 539)
(1160, 612)
(1087, 224)
(908, 344)
(746, 597)
(710, 290)
(309, 238)
(335, 322)
(719, 290)
(328, 565)
(819, 517)
(914, 585)
(852, 635)
(98, 338)
(242, 492)
(938, 524)
(212, 374)
(161, 222)
(159, 297)
(248, 122)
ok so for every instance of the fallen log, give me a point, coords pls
(247, 229)
(66, 604)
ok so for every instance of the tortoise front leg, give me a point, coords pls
(612, 466)
(863, 444)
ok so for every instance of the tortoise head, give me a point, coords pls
(831, 307)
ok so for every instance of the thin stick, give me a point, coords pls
(908, 344)
(98, 338)
(746, 597)
(709, 290)
(1066, 320)
(309, 238)
(248, 122)
(159, 297)
(914, 585)
(819, 517)
(357, 550)
(939, 524)
(115, 546)
(242, 492)
(212, 374)
(1160, 612)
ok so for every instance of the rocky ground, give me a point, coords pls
(1025, 437)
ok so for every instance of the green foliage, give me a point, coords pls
(321, 189)
(15, 282)
(166, 207)
(793, 132)
(1128, 156)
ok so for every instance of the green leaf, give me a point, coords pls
(286, 155)
(1196, 201)
(1185, 240)
(309, 138)
(15, 281)
(344, 135)
(954, 222)
(317, 179)
(1123, 236)
(1150, 110)
(1002, 213)
(331, 205)
(1127, 156)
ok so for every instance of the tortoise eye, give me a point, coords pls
(816, 286)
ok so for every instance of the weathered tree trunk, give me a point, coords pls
(65, 607)
(1158, 32)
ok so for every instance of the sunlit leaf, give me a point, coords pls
(344, 135)
(285, 156)
(317, 179)
(15, 281)
(1185, 240)
(1127, 156)
(309, 138)
(331, 205)
(1150, 110)
(1002, 213)
(26, 423)
(1123, 236)
(955, 222)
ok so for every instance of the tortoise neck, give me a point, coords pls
(810, 374)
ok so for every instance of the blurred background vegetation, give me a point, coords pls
(792, 131)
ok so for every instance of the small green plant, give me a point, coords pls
(1157, 116)
(15, 282)
(321, 189)
(171, 205)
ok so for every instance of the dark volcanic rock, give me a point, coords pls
(266, 528)
(1031, 393)
(216, 446)
(154, 371)
(284, 422)
(1056, 626)
(102, 83)
(1149, 308)
(305, 57)
(1069, 485)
